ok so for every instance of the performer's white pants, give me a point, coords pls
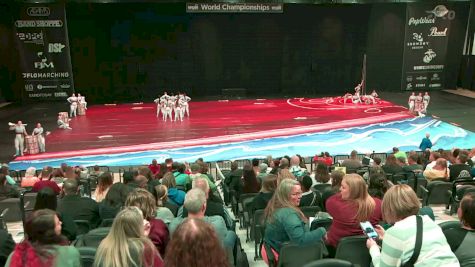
(158, 110)
(425, 106)
(41, 143)
(19, 144)
(168, 113)
(178, 114)
(411, 106)
(72, 110)
(186, 108)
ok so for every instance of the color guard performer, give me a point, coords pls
(185, 106)
(38, 132)
(20, 133)
(425, 101)
(73, 101)
(62, 124)
(82, 101)
(419, 106)
(412, 102)
(158, 102)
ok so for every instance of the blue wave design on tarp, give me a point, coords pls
(381, 137)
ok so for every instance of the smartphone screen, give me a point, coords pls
(368, 229)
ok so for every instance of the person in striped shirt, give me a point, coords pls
(400, 207)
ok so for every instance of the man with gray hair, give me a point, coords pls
(195, 204)
(76, 207)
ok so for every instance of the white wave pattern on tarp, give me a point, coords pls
(406, 135)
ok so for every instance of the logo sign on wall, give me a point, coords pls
(425, 47)
(42, 43)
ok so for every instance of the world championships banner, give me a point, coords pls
(234, 8)
(425, 46)
(42, 43)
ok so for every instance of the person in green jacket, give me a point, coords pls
(285, 222)
(43, 244)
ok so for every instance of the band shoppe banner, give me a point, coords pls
(42, 43)
(425, 47)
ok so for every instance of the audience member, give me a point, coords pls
(398, 154)
(336, 178)
(255, 165)
(154, 168)
(249, 181)
(284, 174)
(43, 244)
(30, 178)
(158, 231)
(46, 199)
(174, 195)
(127, 243)
(378, 185)
(434, 155)
(349, 207)
(353, 162)
(269, 184)
(196, 171)
(461, 239)
(285, 222)
(309, 198)
(181, 178)
(439, 171)
(321, 174)
(104, 182)
(46, 181)
(6, 246)
(233, 179)
(77, 207)
(262, 172)
(412, 165)
(6, 190)
(163, 213)
(295, 168)
(162, 198)
(195, 243)
(114, 200)
(460, 169)
(391, 166)
(5, 171)
(400, 207)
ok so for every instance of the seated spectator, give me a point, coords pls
(175, 196)
(412, 165)
(309, 198)
(127, 243)
(213, 207)
(46, 199)
(233, 180)
(295, 168)
(46, 181)
(193, 239)
(439, 171)
(151, 181)
(434, 155)
(5, 171)
(262, 172)
(104, 182)
(336, 178)
(30, 178)
(164, 213)
(353, 162)
(255, 165)
(399, 154)
(391, 166)
(6, 190)
(460, 169)
(349, 207)
(46, 173)
(77, 207)
(378, 185)
(181, 178)
(57, 176)
(321, 174)
(154, 168)
(114, 200)
(461, 239)
(196, 171)
(204, 169)
(195, 203)
(128, 179)
(283, 174)
(96, 172)
(158, 231)
(285, 222)
(400, 207)
(249, 181)
(269, 184)
(43, 244)
(6, 246)
(163, 196)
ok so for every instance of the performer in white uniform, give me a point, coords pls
(20, 133)
(178, 112)
(38, 132)
(426, 100)
(62, 124)
(412, 102)
(158, 102)
(356, 97)
(186, 106)
(73, 101)
(419, 106)
(165, 96)
(167, 113)
(82, 100)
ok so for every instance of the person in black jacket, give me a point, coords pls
(309, 198)
(269, 184)
(6, 246)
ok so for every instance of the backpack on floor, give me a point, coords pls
(241, 256)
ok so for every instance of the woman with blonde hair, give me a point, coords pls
(400, 207)
(348, 208)
(285, 222)
(127, 243)
(145, 201)
(284, 174)
(163, 212)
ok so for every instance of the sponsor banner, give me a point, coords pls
(234, 8)
(425, 46)
(42, 42)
